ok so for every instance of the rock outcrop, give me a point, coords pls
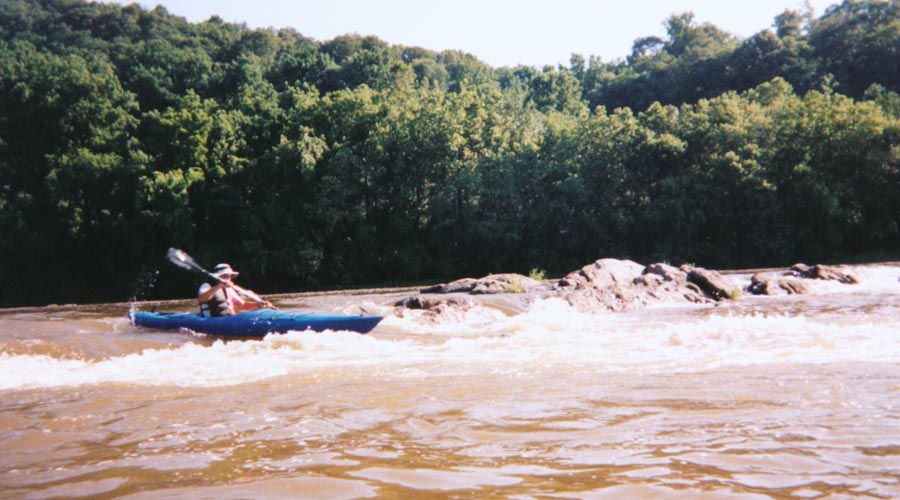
(491, 284)
(603, 273)
(617, 285)
(795, 281)
(437, 305)
(459, 296)
(822, 272)
(712, 283)
(775, 284)
(602, 286)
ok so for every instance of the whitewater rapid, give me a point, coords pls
(756, 399)
(550, 335)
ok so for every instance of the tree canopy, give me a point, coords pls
(309, 164)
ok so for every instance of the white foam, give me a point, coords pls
(877, 277)
(872, 278)
(550, 334)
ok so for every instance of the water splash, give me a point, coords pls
(550, 336)
(854, 324)
(141, 288)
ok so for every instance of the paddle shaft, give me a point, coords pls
(241, 291)
(185, 261)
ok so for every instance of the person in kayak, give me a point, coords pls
(220, 299)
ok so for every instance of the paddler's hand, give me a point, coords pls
(265, 304)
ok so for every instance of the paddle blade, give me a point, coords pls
(183, 260)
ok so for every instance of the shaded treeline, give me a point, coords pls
(310, 164)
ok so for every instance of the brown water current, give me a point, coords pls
(784, 398)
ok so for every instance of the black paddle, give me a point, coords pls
(185, 261)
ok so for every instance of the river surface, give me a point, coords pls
(786, 397)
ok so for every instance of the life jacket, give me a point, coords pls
(216, 306)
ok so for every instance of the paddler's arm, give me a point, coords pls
(248, 304)
(209, 291)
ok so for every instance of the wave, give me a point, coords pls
(550, 335)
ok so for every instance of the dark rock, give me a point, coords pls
(792, 281)
(459, 286)
(667, 272)
(605, 285)
(823, 272)
(616, 285)
(436, 304)
(602, 286)
(799, 268)
(774, 284)
(711, 283)
(649, 280)
(491, 284)
(694, 288)
(605, 299)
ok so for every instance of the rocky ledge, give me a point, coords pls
(796, 279)
(617, 285)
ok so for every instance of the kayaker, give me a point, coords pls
(220, 299)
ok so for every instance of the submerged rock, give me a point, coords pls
(491, 284)
(795, 280)
(436, 304)
(445, 308)
(823, 272)
(774, 284)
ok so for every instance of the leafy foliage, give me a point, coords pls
(306, 164)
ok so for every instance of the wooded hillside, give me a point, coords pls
(310, 164)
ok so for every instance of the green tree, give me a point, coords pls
(67, 170)
(858, 41)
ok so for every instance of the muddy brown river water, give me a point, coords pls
(785, 398)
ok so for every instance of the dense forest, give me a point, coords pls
(311, 164)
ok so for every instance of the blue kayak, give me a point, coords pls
(256, 323)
